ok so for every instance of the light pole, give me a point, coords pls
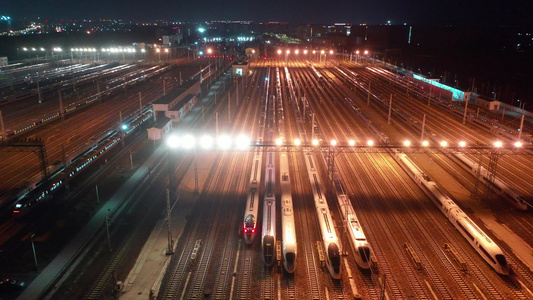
(158, 53)
(34, 254)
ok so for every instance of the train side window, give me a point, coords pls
(487, 254)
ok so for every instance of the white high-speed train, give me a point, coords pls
(249, 228)
(327, 227)
(356, 236)
(268, 241)
(473, 167)
(481, 242)
(287, 217)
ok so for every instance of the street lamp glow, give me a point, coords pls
(366, 52)
(333, 143)
(351, 142)
(206, 142)
(242, 142)
(322, 52)
(425, 143)
(518, 144)
(173, 141)
(357, 52)
(202, 30)
(296, 51)
(370, 143)
(209, 50)
(288, 51)
(166, 50)
(224, 142)
(407, 143)
(443, 144)
(305, 51)
(314, 51)
(279, 51)
(297, 142)
(315, 142)
(330, 51)
(462, 143)
(157, 50)
(188, 141)
(498, 144)
(279, 141)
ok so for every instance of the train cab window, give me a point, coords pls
(364, 252)
(501, 260)
(334, 257)
(290, 257)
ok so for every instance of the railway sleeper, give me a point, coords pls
(456, 257)
(413, 255)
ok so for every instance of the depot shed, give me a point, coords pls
(166, 105)
(160, 129)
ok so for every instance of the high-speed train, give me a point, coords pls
(481, 242)
(516, 198)
(356, 236)
(268, 241)
(249, 229)
(327, 227)
(287, 217)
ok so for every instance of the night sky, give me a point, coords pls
(440, 12)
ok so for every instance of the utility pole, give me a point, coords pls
(140, 104)
(521, 127)
(390, 109)
(34, 254)
(61, 107)
(423, 127)
(368, 97)
(39, 92)
(229, 107)
(107, 229)
(98, 89)
(466, 111)
(170, 249)
(216, 124)
(2, 127)
(313, 126)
